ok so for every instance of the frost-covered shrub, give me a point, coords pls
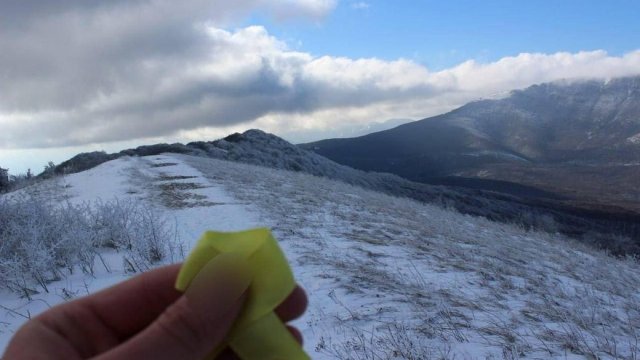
(84, 161)
(140, 232)
(20, 181)
(537, 221)
(617, 245)
(41, 242)
(30, 244)
(112, 223)
(4, 179)
(77, 247)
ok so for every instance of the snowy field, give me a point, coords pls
(387, 278)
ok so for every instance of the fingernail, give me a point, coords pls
(219, 286)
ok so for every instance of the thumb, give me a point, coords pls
(198, 321)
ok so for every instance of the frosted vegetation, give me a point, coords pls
(416, 281)
(41, 242)
(388, 277)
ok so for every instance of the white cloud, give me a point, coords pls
(163, 69)
(356, 92)
(360, 5)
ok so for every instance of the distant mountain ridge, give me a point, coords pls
(586, 127)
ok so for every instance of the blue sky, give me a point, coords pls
(82, 75)
(441, 34)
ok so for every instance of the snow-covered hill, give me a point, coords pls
(387, 277)
(537, 209)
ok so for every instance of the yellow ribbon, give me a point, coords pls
(258, 332)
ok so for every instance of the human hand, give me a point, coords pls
(142, 318)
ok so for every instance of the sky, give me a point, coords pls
(442, 34)
(84, 75)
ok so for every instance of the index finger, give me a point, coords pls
(127, 308)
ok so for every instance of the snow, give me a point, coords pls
(635, 139)
(497, 154)
(105, 181)
(124, 178)
(387, 277)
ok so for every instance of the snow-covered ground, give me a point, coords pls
(143, 179)
(387, 277)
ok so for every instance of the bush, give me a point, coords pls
(532, 220)
(617, 245)
(41, 243)
(142, 233)
(4, 179)
(49, 170)
(83, 161)
(20, 181)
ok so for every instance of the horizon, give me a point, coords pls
(83, 77)
(64, 154)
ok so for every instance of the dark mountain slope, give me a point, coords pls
(570, 128)
(423, 149)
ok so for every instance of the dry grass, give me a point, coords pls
(453, 284)
(169, 190)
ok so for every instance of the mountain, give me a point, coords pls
(578, 139)
(387, 277)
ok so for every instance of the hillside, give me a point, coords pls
(577, 139)
(387, 277)
(615, 229)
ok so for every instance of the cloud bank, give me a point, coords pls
(84, 72)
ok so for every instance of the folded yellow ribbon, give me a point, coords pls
(258, 332)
